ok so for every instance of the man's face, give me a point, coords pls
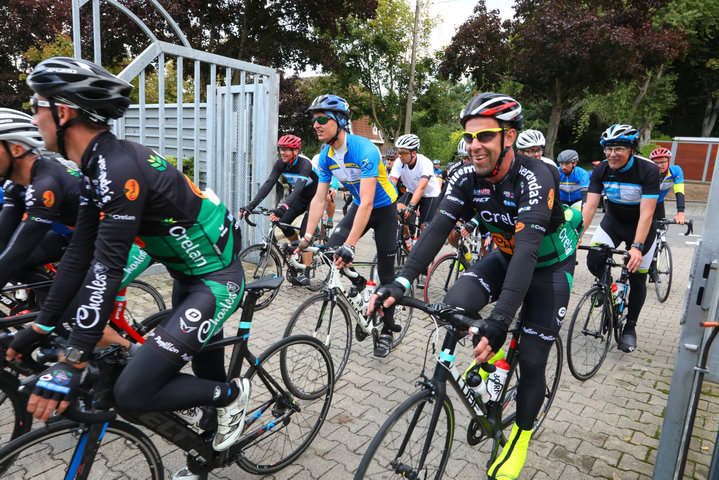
(617, 157)
(42, 119)
(327, 131)
(406, 156)
(389, 163)
(288, 154)
(567, 167)
(484, 154)
(663, 164)
(465, 159)
(534, 152)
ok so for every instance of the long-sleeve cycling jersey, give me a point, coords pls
(673, 178)
(52, 195)
(520, 211)
(573, 187)
(130, 191)
(298, 173)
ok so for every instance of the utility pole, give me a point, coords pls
(410, 90)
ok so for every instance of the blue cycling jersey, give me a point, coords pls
(361, 159)
(674, 178)
(570, 187)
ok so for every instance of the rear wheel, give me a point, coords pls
(663, 282)
(589, 334)
(257, 262)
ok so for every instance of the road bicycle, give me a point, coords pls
(600, 313)
(329, 315)
(292, 387)
(660, 271)
(416, 440)
(267, 258)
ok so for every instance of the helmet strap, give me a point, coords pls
(60, 129)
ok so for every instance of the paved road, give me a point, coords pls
(606, 427)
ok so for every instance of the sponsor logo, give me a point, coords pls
(103, 182)
(190, 247)
(47, 377)
(510, 203)
(185, 357)
(104, 215)
(217, 393)
(194, 188)
(169, 221)
(519, 227)
(192, 315)
(157, 162)
(61, 377)
(165, 345)
(137, 260)
(48, 198)
(232, 287)
(482, 199)
(550, 198)
(454, 199)
(226, 308)
(484, 284)
(30, 196)
(132, 189)
(543, 336)
(73, 172)
(483, 191)
(497, 218)
(539, 227)
(443, 212)
(532, 184)
(508, 194)
(524, 209)
(89, 315)
(61, 70)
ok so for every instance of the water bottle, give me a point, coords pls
(407, 242)
(497, 378)
(477, 384)
(369, 290)
(354, 296)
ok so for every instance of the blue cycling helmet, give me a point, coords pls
(334, 107)
(620, 135)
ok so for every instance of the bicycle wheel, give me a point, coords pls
(123, 452)
(403, 318)
(319, 274)
(280, 423)
(442, 275)
(552, 375)
(663, 283)
(142, 301)
(589, 334)
(258, 261)
(330, 322)
(15, 420)
(396, 450)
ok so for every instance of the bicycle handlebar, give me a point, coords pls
(689, 224)
(446, 313)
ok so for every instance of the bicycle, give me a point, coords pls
(266, 258)
(292, 388)
(600, 313)
(318, 314)
(660, 271)
(415, 441)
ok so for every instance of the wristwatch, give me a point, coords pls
(638, 245)
(75, 355)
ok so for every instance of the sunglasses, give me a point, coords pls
(35, 103)
(320, 120)
(483, 136)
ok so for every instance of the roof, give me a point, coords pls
(363, 128)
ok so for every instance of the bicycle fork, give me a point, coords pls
(85, 451)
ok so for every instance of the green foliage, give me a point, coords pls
(188, 165)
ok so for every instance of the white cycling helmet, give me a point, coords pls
(462, 148)
(17, 127)
(408, 141)
(529, 139)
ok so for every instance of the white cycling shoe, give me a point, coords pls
(231, 419)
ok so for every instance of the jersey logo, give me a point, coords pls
(169, 221)
(194, 188)
(550, 198)
(157, 162)
(74, 173)
(48, 198)
(132, 189)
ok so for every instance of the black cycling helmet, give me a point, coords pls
(504, 108)
(98, 94)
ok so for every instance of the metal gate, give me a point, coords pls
(228, 140)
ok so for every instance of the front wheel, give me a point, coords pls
(590, 334)
(258, 261)
(292, 387)
(327, 319)
(15, 420)
(663, 281)
(403, 318)
(442, 275)
(410, 435)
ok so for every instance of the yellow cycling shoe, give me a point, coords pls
(510, 462)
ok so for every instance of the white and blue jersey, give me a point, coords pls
(674, 178)
(570, 187)
(627, 187)
(358, 158)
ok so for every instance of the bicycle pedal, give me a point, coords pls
(360, 334)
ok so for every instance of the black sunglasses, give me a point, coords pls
(320, 120)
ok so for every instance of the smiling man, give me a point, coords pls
(515, 198)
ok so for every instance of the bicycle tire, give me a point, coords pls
(142, 301)
(312, 318)
(663, 286)
(404, 434)
(257, 262)
(150, 323)
(589, 335)
(553, 375)
(441, 277)
(124, 451)
(286, 423)
(403, 318)
(15, 420)
(320, 272)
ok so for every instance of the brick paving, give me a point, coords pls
(606, 427)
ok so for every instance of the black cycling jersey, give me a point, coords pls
(625, 188)
(522, 212)
(130, 191)
(299, 174)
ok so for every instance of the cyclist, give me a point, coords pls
(670, 176)
(417, 174)
(631, 184)
(531, 143)
(514, 197)
(297, 170)
(437, 171)
(132, 191)
(355, 161)
(573, 180)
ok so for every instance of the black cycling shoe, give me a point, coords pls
(629, 339)
(384, 345)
